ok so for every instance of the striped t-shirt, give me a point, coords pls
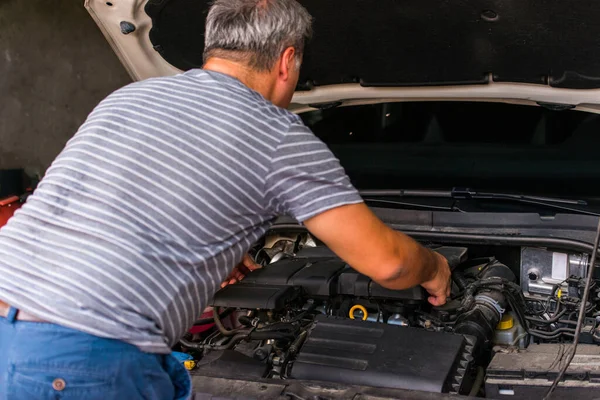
(159, 194)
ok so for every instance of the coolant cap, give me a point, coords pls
(506, 322)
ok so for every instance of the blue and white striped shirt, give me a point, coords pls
(154, 200)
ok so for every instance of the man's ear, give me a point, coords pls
(288, 60)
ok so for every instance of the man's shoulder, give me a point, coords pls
(212, 90)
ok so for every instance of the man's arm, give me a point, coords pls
(390, 258)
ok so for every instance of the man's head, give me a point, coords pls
(261, 42)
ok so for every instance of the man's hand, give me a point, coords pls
(439, 286)
(241, 270)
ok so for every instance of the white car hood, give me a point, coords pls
(126, 26)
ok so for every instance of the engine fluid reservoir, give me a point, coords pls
(509, 332)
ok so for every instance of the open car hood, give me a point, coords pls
(520, 52)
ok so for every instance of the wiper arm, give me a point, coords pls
(466, 193)
(430, 207)
(469, 194)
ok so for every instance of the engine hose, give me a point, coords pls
(552, 335)
(190, 344)
(478, 382)
(567, 322)
(211, 320)
(483, 305)
(549, 321)
(490, 283)
(511, 290)
(520, 315)
(481, 319)
(278, 327)
(232, 342)
(310, 309)
(460, 280)
(518, 310)
(245, 320)
(219, 324)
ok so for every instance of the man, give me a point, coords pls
(160, 193)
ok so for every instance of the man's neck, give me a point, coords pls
(258, 81)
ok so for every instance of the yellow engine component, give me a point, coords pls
(506, 322)
(189, 364)
(361, 308)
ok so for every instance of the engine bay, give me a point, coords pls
(307, 316)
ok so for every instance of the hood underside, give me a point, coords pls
(525, 50)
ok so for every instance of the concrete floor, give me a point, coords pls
(55, 66)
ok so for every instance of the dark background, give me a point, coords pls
(55, 66)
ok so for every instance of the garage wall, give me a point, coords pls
(55, 66)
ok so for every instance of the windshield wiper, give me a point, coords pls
(423, 206)
(470, 194)
(466, 193)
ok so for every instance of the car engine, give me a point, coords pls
(306, 315)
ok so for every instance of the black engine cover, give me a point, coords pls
(275, 285)
(315, 273)
(374, 354)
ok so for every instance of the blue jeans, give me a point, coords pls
(48, 361)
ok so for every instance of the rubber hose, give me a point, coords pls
(190, 344)
(224, 331)
(548, 321)
(278, 326)
(460, 280)
(555, 334)
(211, 320)
(232, 342)
(478, 382)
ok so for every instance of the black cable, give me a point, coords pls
(555, 334)
(581, 317)
(232, 342)
(533, 310)
(567, 322)
(518, 308)
(557, 310)
(278, 326)
(301, 315)
(548, 321)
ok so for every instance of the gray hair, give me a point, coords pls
(256, 31)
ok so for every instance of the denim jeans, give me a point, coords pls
(48, 361)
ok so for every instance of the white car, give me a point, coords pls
(471, 126)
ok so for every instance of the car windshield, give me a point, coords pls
(488, 146)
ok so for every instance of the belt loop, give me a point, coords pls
(12, 314)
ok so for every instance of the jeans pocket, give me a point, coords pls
(180, 377)
(157, 386)
(59, 383)
(167, 378)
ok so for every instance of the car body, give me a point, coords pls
(470, 126)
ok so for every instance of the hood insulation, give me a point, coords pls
(420, 42)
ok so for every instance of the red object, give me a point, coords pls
(208, 313)
(8, 206)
